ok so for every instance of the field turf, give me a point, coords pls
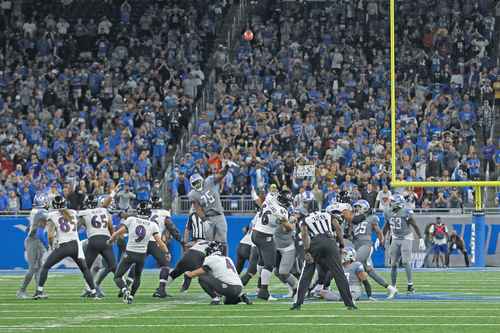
(446, 301)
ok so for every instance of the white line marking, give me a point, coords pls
(252, 325)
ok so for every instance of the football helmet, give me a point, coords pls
(58, 202)
(143, 208)
(348, 255)
(196, 181)
(284, 198)
(213, 248)
(156, 202)
(361, 207)
(397, 202)
(90, 202)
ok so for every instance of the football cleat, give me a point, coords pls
(86, 293)
(40, 295)
(100, 292)
(215, 301)
(95, 296)
(411, 290)
(244, 298)
(22, 295)
(127, 298)
(391, 292)
(352, 307)
(295, 307)
(160, 293)
(263, 294)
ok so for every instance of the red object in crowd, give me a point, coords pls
(248, 35)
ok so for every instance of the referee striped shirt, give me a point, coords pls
(195, 227)
(318, 224)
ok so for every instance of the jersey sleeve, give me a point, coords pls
(374, 219)
(155, 228)
(193, 197)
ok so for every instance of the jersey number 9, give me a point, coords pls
(140, 231)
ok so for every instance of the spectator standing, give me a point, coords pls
(125, 197)
(439, 232)
(383, 199)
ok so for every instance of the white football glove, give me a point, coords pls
(376, 244)
(421, 244)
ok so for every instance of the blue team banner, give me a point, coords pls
(13, 230)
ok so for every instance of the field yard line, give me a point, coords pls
(285, 309)
(255, 324)
(314, 316)
(107, 314)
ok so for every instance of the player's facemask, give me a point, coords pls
(198, 185)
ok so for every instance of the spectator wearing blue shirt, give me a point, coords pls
(4, 200)
(473, 166)
(180, 185)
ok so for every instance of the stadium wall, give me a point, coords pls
(13, 232)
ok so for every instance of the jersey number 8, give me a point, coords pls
(65, 225)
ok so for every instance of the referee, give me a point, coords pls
(193, 232)
(321, 249)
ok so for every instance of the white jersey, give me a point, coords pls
(270, 215)
(247, 239)
(140, 232)
(158, 216)
(96, 221)
(222, 268)
(66, 231)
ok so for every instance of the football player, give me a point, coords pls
(62, 227)
(356, 276)
(363, 224)
(274, 211)
(205, 198)
(99, 227)
(398, 220)
(218, 277)
(33, 244)
(140, 231)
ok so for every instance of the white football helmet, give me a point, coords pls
(196, 181)
(348, 255)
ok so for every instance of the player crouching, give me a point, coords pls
(355, 274)
(218, 277)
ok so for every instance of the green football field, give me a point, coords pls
(452, 301)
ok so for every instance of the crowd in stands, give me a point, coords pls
(95, 93)
(312, 88)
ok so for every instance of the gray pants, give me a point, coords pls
(34, 254)
(335, 296)
(400, 249)
(216, 228)
(285, 261)
(364, 255)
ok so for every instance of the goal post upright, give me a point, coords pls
(478, 239)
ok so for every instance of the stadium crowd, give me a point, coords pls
(94, 93)
(303, 92)
(97, 95)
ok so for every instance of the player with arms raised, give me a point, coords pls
(398, 220)
(274, 211)
(140, 230)
(205, 198)
(363, 224)
(62, 227)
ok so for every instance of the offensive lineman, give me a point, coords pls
(274, 211)
(140, 230)
(399, 219)
(218, 277)
(99, 227)
(33, 244)
(62, 225)
(362, 226)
